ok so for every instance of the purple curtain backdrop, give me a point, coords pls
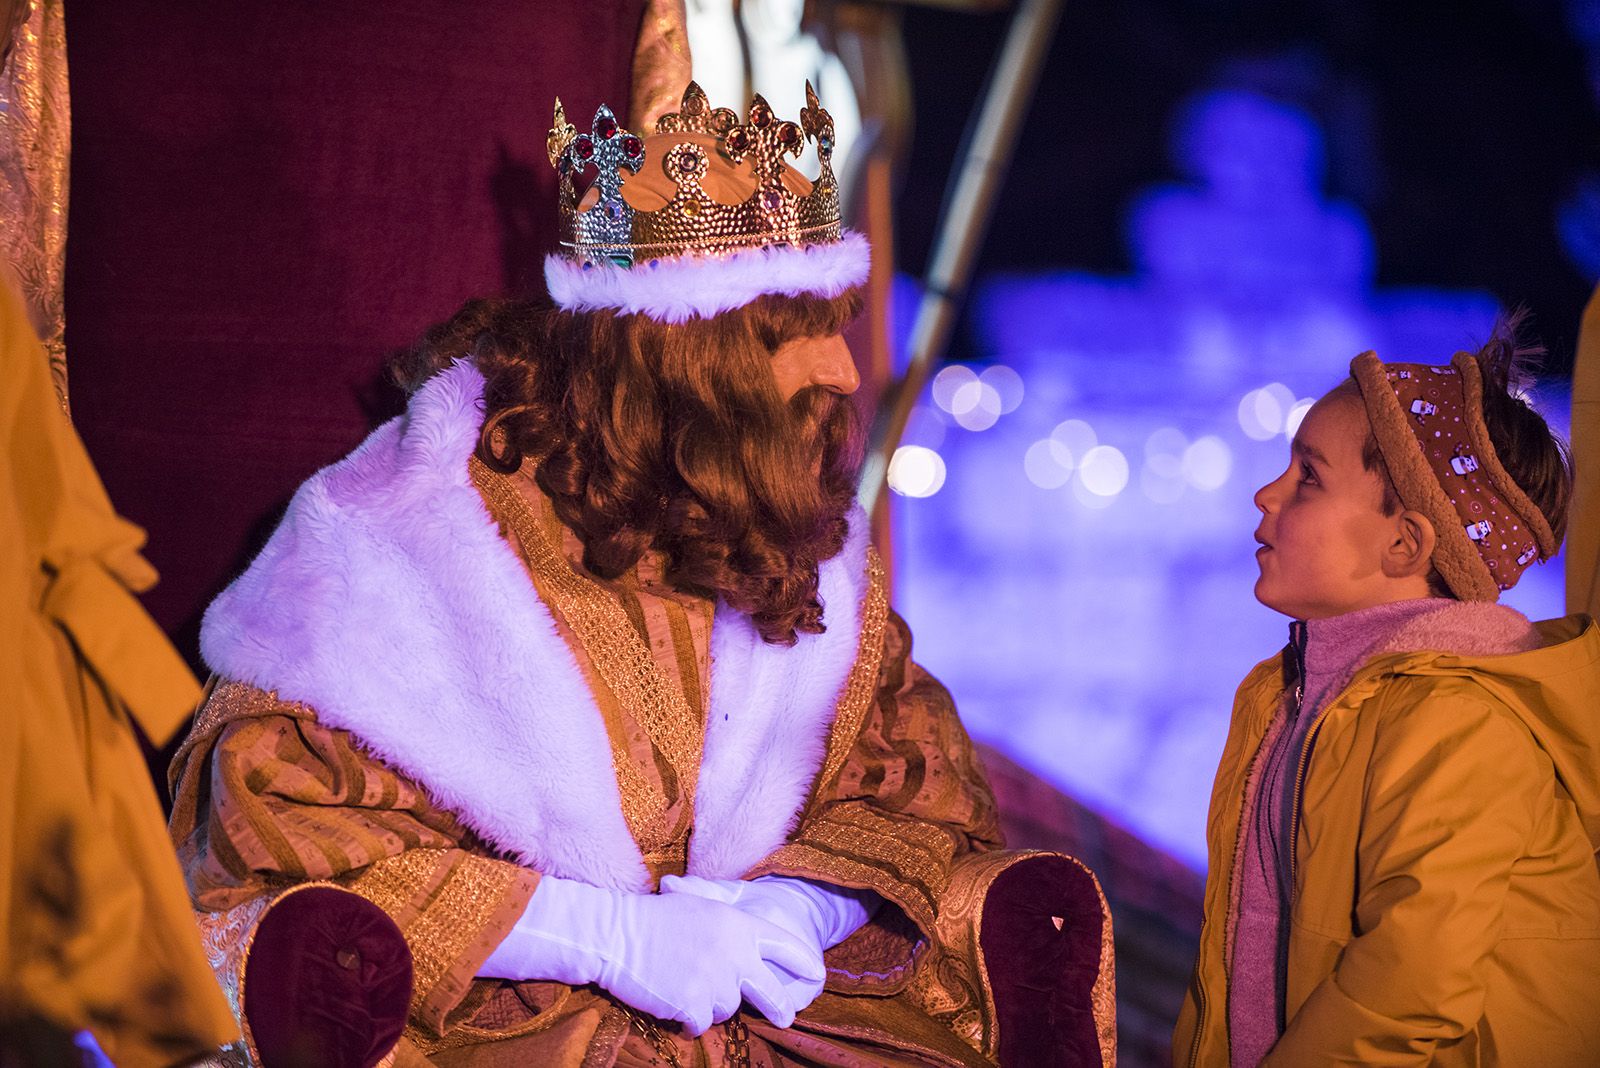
(269, 198)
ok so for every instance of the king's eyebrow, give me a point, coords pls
(1310, 452)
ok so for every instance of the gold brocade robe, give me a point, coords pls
(266, 797)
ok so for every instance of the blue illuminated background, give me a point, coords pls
(1073, 517)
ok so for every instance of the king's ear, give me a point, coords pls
(1410, 550)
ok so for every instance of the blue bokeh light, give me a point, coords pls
(1082, 577)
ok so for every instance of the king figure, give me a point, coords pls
(582, 669)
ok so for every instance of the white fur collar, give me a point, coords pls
(387, 601)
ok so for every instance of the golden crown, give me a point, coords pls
(601, 226)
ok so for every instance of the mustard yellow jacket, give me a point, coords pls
(95, 926)
(1583, 517)
(1446, 900)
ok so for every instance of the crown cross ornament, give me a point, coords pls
(782, 235)
(818, 127)
(610, 150)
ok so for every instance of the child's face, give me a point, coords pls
(1323, 532)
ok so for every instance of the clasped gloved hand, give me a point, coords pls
(821, 915)
(676, 957)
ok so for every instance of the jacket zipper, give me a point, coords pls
(1297, 633)
(1200, 1019)
(1299, 785)
(1300, 777)
(1297, 642)
(1194, 1046)
(1360, 677)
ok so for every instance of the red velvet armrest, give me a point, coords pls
(327, 982)
(1023, 969)
(1043, 942)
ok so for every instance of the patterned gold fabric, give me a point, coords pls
(661, 63)
(35, 132)
(266, 796)
(645, 648)
(909, 799)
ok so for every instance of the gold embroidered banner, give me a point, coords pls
(660, 63)
(35, 130)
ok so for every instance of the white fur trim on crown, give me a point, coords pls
(681, 288)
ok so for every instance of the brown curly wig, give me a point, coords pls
(670, 437)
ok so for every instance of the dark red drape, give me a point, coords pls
(267, 199)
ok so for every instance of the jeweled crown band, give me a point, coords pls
(1429, 425)
(646, 253)
(601, 225)
(646, 236)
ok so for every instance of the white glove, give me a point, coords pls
(674, 956)
(821, 915)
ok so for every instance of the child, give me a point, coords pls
(1404, 823)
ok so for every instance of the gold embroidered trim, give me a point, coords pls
(913, 875)
(226, 938)
(226, 700)
(670, 858)
(920, 852)
(1103, 998)
(456, 902)
(615, 649)
(394, 884)
(608, 1038)
(861, 687)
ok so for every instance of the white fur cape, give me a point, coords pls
(389, 603)
(680, 288)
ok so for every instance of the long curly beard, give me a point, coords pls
(760, 509)
(648, 436)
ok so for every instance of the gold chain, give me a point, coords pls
(737, 1043)
(656, 1038)
(736, 1040)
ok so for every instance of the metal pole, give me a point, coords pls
(989, 152)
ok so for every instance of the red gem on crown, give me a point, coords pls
(692, 223)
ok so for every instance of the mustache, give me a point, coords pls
(826, 421)
(815, 408)
(815, 400)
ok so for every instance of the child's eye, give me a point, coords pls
(1308, 477)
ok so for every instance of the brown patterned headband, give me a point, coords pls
(1428, 422)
